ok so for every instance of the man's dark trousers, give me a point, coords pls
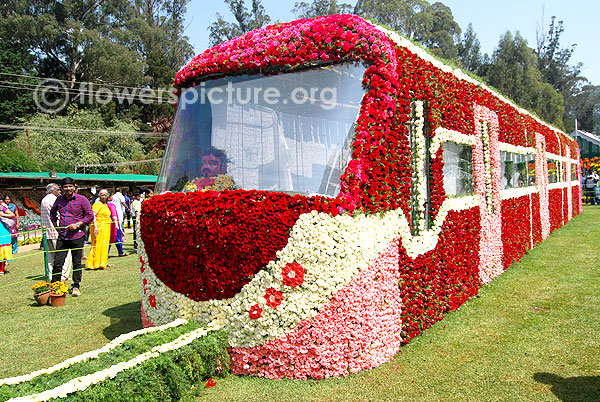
(76, 247)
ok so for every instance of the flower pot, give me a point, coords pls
(42, 298)
(57, 300)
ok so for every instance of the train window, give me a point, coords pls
(564, 172)
(514, 170)
(287, 132)
(573, 172)
(531, 170)
(458, 169)
(553, 171)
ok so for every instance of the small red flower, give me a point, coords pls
(152, 300)
(210, 383)
(143, 263)
(293, 274)
(145, 282)
(255, 312)
(273, 297)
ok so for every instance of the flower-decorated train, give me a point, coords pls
(330, 190)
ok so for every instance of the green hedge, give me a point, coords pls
(176, 375)
(167, 377)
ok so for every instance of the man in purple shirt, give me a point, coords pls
(75, 212)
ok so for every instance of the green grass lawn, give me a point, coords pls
(531, 335)
(35, 337)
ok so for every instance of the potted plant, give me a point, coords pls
(59, 293)
(41, 292)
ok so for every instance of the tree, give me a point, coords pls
(586, 109)
(553, 60)
(320, 7)
(245, 21)
(16, 102)
(438, 31)
(513, 70)
(55, 150)
(403, 16)
(469, 51)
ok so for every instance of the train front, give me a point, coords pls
(256, 227)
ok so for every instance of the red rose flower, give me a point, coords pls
(273, 297)
(143, 263)
(255, 312)
(145, 282)
(152, 300)
(293, 274)
(210, 383)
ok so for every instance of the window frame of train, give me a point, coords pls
(512, 163)
(460, 168)
(573, 171)
(421, 172)
(557, 176)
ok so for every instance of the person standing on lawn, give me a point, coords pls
(119, 202)
(102, 231)
(14, 230)
(127, 218)
(136, 207)
(75, 212)
(5, 245)
(52, 192)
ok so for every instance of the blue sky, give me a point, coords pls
(490, 20)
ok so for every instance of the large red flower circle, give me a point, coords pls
(292, 274)
(273, 297)
(255, 312)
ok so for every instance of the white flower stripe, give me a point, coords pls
(445, 135)
(81, 383)
(516, 149)
(519, 192)
(90, 355)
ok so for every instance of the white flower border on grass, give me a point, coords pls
(81, 383)
(90, 355)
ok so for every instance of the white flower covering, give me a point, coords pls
(516, 149)
(81, 383)
(445, 135)
(519, 192)
(332, 251)
(90, 355)
(419, 153)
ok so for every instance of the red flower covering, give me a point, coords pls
(516, 229)
(293, 274)
(442, 279)
(555, 198)
(255, 312)
(223, 238)
(273, 297)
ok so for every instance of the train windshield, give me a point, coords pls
(289, 132)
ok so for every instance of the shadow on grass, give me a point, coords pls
(572, 389)
(123, 318)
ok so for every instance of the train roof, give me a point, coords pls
(310, 42)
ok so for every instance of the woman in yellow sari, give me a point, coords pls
(101, 232)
